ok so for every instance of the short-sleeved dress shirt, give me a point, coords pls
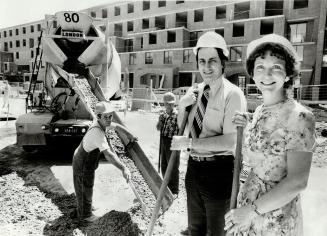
(224, 99)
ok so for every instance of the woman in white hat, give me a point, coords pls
(278, 146)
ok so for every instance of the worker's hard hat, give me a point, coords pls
(211, 39)
(169, 97)
(272, 39)
(103, 107)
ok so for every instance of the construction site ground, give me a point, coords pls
(36, 190)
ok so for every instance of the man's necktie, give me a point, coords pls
(199, 114)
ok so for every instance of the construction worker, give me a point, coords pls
(211, 138)
(86, 160)
(6, 93)
(167, 125)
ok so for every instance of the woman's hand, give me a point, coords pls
(239, 219)
(241, 118)
(180, 143)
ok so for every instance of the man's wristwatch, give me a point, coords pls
(254, 207)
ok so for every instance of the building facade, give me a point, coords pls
(155, 38)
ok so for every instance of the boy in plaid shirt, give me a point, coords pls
(167, 125)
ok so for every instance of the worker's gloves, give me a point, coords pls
(132, 140)
(181, 143)
(190, 97)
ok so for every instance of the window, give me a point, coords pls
(0, 35)
(168, 57)
(128, 45)
(17, 32)
(93, 14)
(161, 3)
(104, 13)
(31, 43)
(17, 43)
(10, 32)
(117, 11)
(141, 42)
(160, 22)
(220, 31)
(238, 29)
(145, 24)
(130, 26)
(300, 4)
(198, 15)
(118, 29)
(5, 34)
(297, 32)
(194, 38)
(171, 36)
(32, 54)
(10, 44)
(152, 38)
(32, 28)
(146, 5)
(181, 19)
(54, 24)
(6, 47)
(274, 7)
(266, 26)
(236, 54)
(187, 55)
(132, 58)
(130, 8)
(24, 42)
(24, 30)
(221, 12)
(17, 55)
(148, 58)
(242, 11)
(299, 50)
(143, 80)
(179, 2)
(38, 27)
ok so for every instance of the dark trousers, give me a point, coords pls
(84, 166)
(165, 153)
(208, 187)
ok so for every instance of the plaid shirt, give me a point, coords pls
(169, 121)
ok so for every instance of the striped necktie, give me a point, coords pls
(199, 114)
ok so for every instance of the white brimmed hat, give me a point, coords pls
(211, 39)
(103, 107)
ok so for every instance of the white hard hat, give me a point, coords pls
(169, 97)
(272, 39)
(103, 107)
(211, 39)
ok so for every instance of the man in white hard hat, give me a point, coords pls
(86, 161)
(211, 138)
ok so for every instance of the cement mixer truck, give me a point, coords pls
(82, 67)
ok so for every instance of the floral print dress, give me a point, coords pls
(274, 130)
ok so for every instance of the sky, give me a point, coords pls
(16, 12)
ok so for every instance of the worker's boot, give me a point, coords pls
(90, 219)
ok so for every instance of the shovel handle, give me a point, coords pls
(237, 167)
